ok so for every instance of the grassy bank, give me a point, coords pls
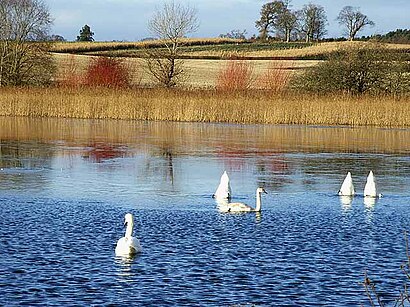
(254, 107)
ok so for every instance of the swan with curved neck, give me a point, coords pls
(242, 207)
(347, 188)
(224, 189)
(128, 245)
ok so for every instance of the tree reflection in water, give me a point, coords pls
(276, 155)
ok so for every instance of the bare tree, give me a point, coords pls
(313, 21)
(171, 24)
(24, 57)
(353, 20)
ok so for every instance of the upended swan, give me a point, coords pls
(224, 189)
(347, 188)
(241, 207)
(128, 245)
(370, 187)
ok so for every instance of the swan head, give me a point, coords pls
(261, 190)
(128, 219)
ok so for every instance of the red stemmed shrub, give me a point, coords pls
(237, 75)
(108, 72)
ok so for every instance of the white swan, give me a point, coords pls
(347, 188)
(241, 207)
(370, 187)
(128, 245)
(224, 189)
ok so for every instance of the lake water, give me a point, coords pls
(65, 186)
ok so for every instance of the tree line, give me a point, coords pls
(277, 18)
(309, 23)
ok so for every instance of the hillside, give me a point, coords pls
(216, 49)
(204, 58)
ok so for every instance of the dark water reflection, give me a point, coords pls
(66, 184)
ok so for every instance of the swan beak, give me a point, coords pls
(264, 191)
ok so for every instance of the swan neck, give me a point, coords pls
(128, 231)
(258, 202)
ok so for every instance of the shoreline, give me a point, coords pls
(248, 107)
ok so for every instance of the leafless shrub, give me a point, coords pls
(170, 24)
(237, 75)
(277, 77)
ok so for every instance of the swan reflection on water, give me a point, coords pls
(369, 206)
(124, 267)
(369, 201)
(346, 201)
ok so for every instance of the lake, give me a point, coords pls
(65, 186)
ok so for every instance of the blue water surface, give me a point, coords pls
(63, 200)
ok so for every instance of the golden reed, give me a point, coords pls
(246, 107)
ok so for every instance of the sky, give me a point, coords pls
(126, 20)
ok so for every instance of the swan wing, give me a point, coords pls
(127, 246)
(239, 207)
(135, 246)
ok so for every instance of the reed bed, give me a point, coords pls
(245, 107)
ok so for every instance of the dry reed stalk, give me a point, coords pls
(206, 106)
